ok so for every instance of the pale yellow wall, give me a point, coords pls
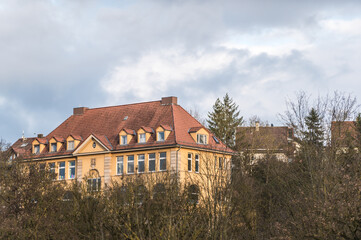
(36, 142)
(206, 164)
(88, 147)
(123, 133)
(70, 138)
(200, 131)
(161, 129)
(67, 160)
(147, 135)
(58, 144)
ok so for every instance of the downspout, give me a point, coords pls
(176, 164)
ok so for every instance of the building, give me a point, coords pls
(260, 141)
(103, 145)
(344, 134)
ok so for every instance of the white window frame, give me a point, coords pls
(61, 168)
(120, 162)
(130, 161)
(53, 149)
(152, 159)
(71, 145)
(36, 148)
(196, 161)
(163, 159)
(190, 155)
(97, 186)
(201, 138)
(159, 139)
(141, 160)
(71, 168)
(123, 140)
(142, 138)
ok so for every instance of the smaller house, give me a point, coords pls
(260, 141)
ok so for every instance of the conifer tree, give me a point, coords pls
(314, 133)
(224, 120)
(358, 130)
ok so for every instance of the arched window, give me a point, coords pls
(94, 181)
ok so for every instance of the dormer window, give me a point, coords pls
(123, 140)
(53, 147)
(70, 145)
(36, 149)
(160, 136)
(142, 138)
(201, 138)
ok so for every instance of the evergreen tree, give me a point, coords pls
(358, 130)
(224, 120)
(314, 133)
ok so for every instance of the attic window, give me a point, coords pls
(123, 140)
(142, 138)
(216, 139)
(53, 147)
(202, 138)
(36, 149)
(70, 145)
(24, 145)
(160, 136)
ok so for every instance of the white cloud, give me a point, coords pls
(157, 72)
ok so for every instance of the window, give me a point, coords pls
(123, 140)
(93, 162)
(216, 139)
(151, 159)
(94, 184)
(71, 169)
(142, 138)
(52, 169)
(160, 136)
(162, 161)
(120, 165)
(189, 162)
(141, 158)
(197, 163)
(70, 145)
(61, 170)
(37, 149)
(202, 138)
(53, 147)
(220, 160)
(130, 164)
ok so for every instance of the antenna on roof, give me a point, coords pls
(23, 137)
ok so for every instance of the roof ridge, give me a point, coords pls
(120, 105)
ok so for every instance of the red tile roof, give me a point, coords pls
(275, 138)
(129, 131)
(105, 124)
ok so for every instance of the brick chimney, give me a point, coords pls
(79, 110)
(169, 100)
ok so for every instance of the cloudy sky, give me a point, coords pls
(60, 54)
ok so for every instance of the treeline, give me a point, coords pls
(317, 195)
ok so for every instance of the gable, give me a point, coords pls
(91, 145)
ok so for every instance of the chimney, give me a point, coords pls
(257, 126)
(79, 110)
(40, 135)
(169, 100)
